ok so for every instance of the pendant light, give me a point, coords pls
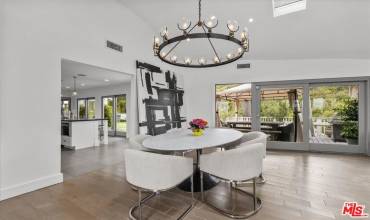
(74, 93)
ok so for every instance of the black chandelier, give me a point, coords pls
(206, 27)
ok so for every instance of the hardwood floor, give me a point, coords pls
(299, 186)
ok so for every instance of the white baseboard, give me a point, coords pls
(19, 189)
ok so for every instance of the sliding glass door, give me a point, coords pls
(312, 116)
(81, 108)
(121, 122)
(86, 108)
(114, 109)
(337, 113)
(107, 113)
(91, 108)
(279, 111)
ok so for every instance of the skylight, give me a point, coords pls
(283, 7)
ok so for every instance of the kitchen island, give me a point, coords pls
(84, 133)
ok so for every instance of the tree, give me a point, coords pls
(348, 113)
(108, 112)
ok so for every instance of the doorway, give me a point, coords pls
(114, 110)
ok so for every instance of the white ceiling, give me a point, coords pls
(95, 76)
(327, 29)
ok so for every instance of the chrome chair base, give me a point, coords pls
(152, 195)
(260, 180)
(147, 198)
(257, 203)
(237, 215)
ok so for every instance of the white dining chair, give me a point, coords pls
(255, 137)
(151, 172)
(235, 166)
(136, 142)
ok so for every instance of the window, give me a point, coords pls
(313, 115)
(233, 105)
(335, 113)
(91, 108)
(281, 110)
(86, 108)
(114, 109)
(65, 107)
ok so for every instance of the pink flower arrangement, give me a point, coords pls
(198, 123)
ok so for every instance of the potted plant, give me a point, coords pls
(348, 114)
(197, 126)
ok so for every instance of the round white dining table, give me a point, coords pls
(183, 140)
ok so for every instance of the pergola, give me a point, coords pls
(243, 92)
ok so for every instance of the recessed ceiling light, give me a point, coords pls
(251, 20)
(106, 80)
(68, 87)
(82, 84)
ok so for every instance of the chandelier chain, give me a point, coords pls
(200, 9)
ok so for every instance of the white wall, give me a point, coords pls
(35, 35)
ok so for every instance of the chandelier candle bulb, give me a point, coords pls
(202, 61)
(174, 58)
(156, 40)
(233, 27)
(156, 45)
(216, 59)
(229, 56)
(187, 61)
(184, 24)
(240, 50)
(164, 33)
(244, 34)
(211, 23)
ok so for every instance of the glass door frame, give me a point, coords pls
(69, 100)
(256, 122)
(86, 100)
(114, 132)
(306, 85)
(361, 146)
